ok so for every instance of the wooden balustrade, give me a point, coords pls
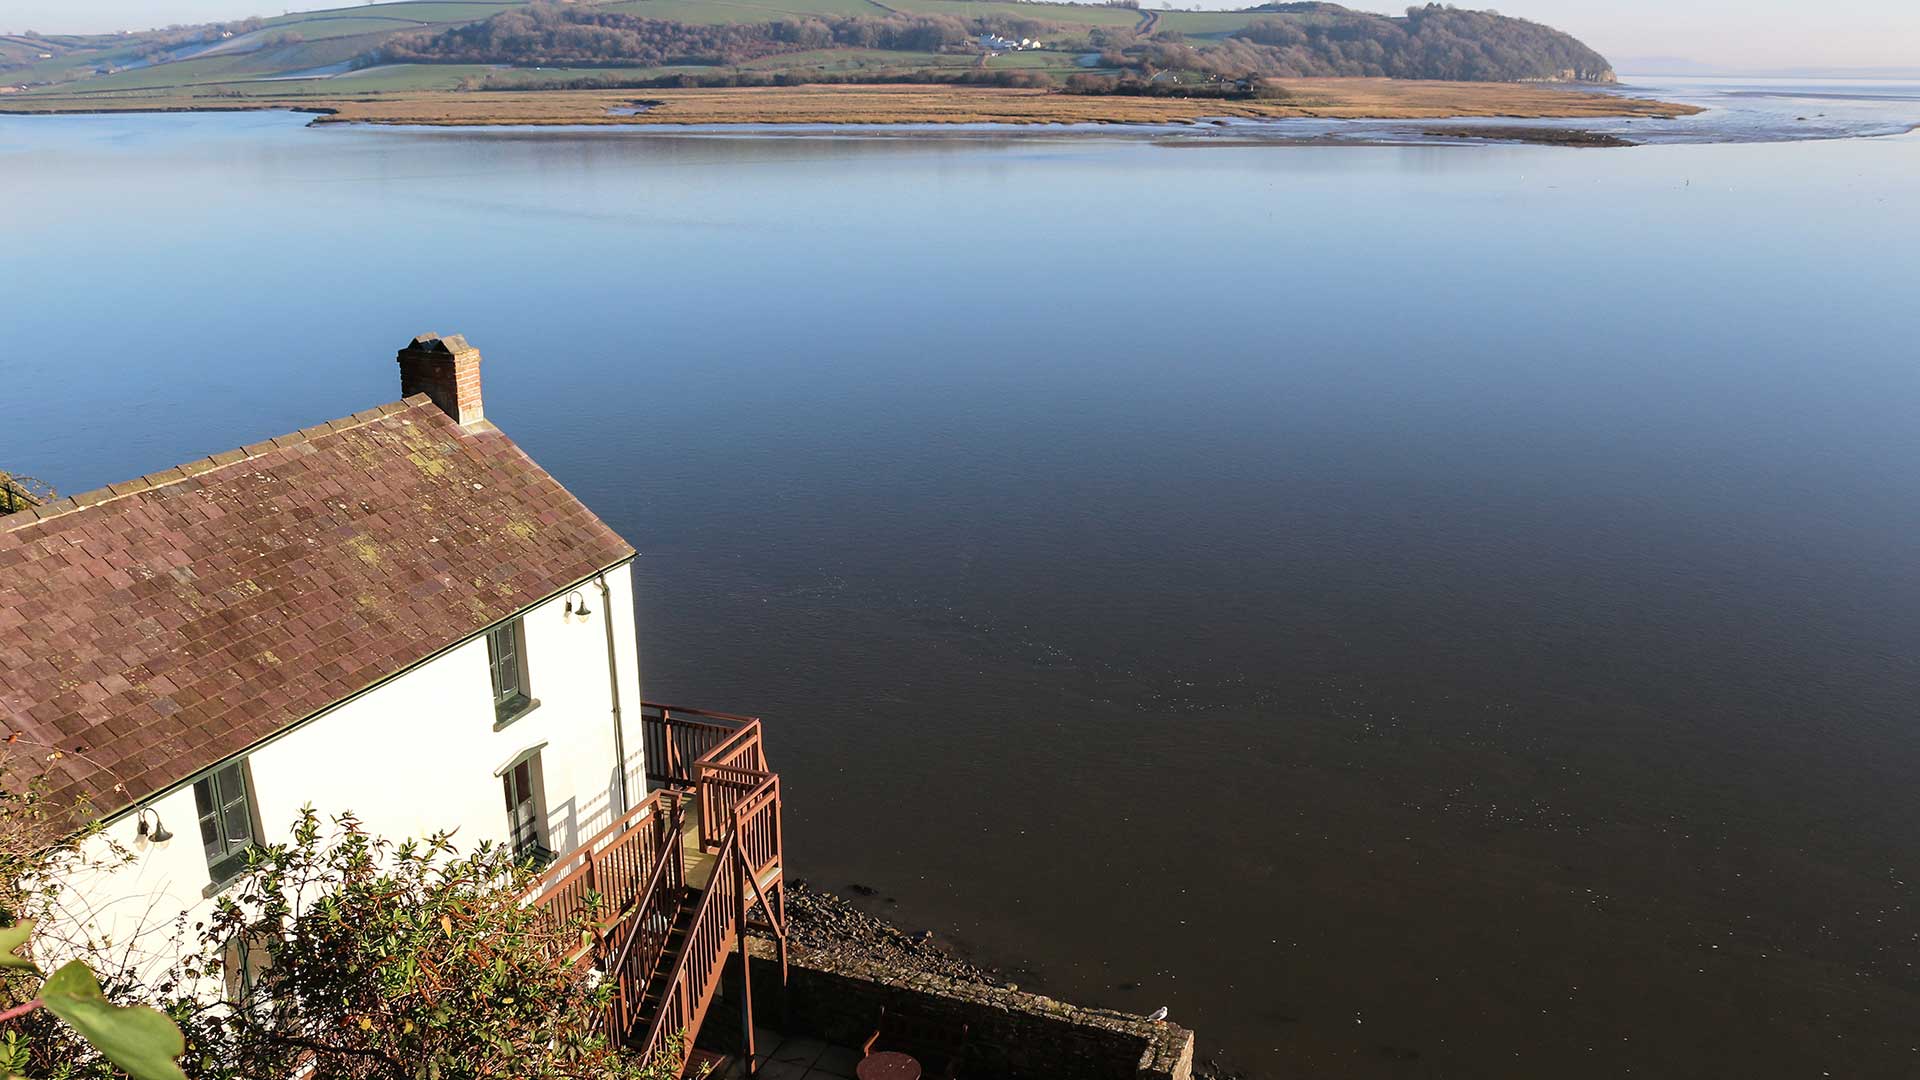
(721, 790)
(643, 944)
(696, 972)
(603, 878)
(629, 882)
(759, 830)
(749, 850)
(676, 738)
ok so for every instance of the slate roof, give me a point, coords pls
(151, 629)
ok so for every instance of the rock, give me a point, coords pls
(823, 922)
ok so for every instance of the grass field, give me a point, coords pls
(509, 77)
(1205, 23)
(320, 28)
(741, 11)
(1072, 14)
(417, 11)
(855, 60)
(1056, 62)
(398, 77)
(226, 67)
(72, 65)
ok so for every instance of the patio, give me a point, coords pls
(796, 1058)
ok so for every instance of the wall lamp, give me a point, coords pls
(577, 604)
(157, 832)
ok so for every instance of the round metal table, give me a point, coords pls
(887, 1065)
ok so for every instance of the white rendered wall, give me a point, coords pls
(416, 755)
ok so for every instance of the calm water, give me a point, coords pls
(1417, 611)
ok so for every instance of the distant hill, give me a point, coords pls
(1431, 42)
(482, 44)
(1279, 40)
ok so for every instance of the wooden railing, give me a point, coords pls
(628, 884)
(746, 868)
(677, 738)
(714, 932)
(758, 827)
(602, 880)
(642, 944)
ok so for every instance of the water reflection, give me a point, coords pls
(1470, 592)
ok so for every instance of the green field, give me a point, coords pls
(508, 78)
(319, 28)
(741, 11)
(1205, 23)
(415, 11)
(395, 77)
(70, 65)
(307, 54)
(853, 60)
(1069, 14)
(1058, 62)
(229, 67)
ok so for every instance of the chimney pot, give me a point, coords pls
(445, 368)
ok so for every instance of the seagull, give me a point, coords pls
(1158, 1014)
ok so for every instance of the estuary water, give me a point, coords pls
(1416, 611)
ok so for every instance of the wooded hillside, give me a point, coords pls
(1279, 40)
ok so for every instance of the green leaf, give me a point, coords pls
(140, 1040)
(12, 940)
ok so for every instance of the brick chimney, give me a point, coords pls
(447, 369)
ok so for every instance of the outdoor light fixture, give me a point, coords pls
(157, 832)
(578, 607)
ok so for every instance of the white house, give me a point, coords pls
(397, 613)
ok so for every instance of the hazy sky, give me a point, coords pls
(1730, 34)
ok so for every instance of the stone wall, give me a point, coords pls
(1013, 1035)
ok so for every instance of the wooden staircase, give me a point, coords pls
(663, 894)
(662, 979)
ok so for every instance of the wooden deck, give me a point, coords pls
(699, 860)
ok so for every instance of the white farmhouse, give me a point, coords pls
(399, 615)
(396, 613)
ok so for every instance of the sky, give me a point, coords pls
(1730, 36)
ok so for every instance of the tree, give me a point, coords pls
(335, 954)
(362, 958)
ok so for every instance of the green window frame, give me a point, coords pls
(224, 800)
(507, 664)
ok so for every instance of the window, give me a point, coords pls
(224, 800)
(523, 810)
(507, 659)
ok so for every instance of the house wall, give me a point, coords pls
(416, 755)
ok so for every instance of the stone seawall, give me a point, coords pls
(1012, 1035)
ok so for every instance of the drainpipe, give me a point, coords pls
(613, 690)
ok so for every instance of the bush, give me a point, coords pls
(358, 957)
(335, 954)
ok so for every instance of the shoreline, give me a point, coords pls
(829, 924)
